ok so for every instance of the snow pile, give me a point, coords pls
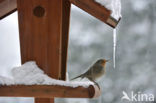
(6, 81)
(113, 5)
(30, 74)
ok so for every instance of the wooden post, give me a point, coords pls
(44, 100)
(65, 35)
(40, 27)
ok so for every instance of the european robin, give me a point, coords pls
(96, 71)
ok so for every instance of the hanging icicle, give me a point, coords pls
(114, 48)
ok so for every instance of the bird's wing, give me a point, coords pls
(82, 76)
(91, 70)
(87, 73)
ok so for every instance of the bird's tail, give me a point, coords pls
(80, 76)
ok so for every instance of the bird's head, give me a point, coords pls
(102, 62)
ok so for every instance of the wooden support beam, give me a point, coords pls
(40, 27)
(65, 35)
(49, 91)
(96, 10)
(7, 7)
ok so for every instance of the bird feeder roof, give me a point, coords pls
(101, 9)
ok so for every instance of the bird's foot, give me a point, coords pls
(97, 85)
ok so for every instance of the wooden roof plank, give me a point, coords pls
(90, 6)
(7, 7)
(96, 10)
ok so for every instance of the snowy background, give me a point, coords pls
(91, 39)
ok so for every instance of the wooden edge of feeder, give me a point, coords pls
(112, 22)
(7, 7)
(49, 91)
(96, 10)
(96, 92)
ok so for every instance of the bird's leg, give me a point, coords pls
(94, 82)
(97, 84)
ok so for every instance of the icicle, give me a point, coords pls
(114, 47)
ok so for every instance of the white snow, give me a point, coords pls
(113, 5)
(30, 74)
(6, 81)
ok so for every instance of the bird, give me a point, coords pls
(96, 71)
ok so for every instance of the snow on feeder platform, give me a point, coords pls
(30, 81)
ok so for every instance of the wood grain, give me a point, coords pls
(43, 91)
(40, 27)
(40, 37)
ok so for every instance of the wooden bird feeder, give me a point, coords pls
(44, 29)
